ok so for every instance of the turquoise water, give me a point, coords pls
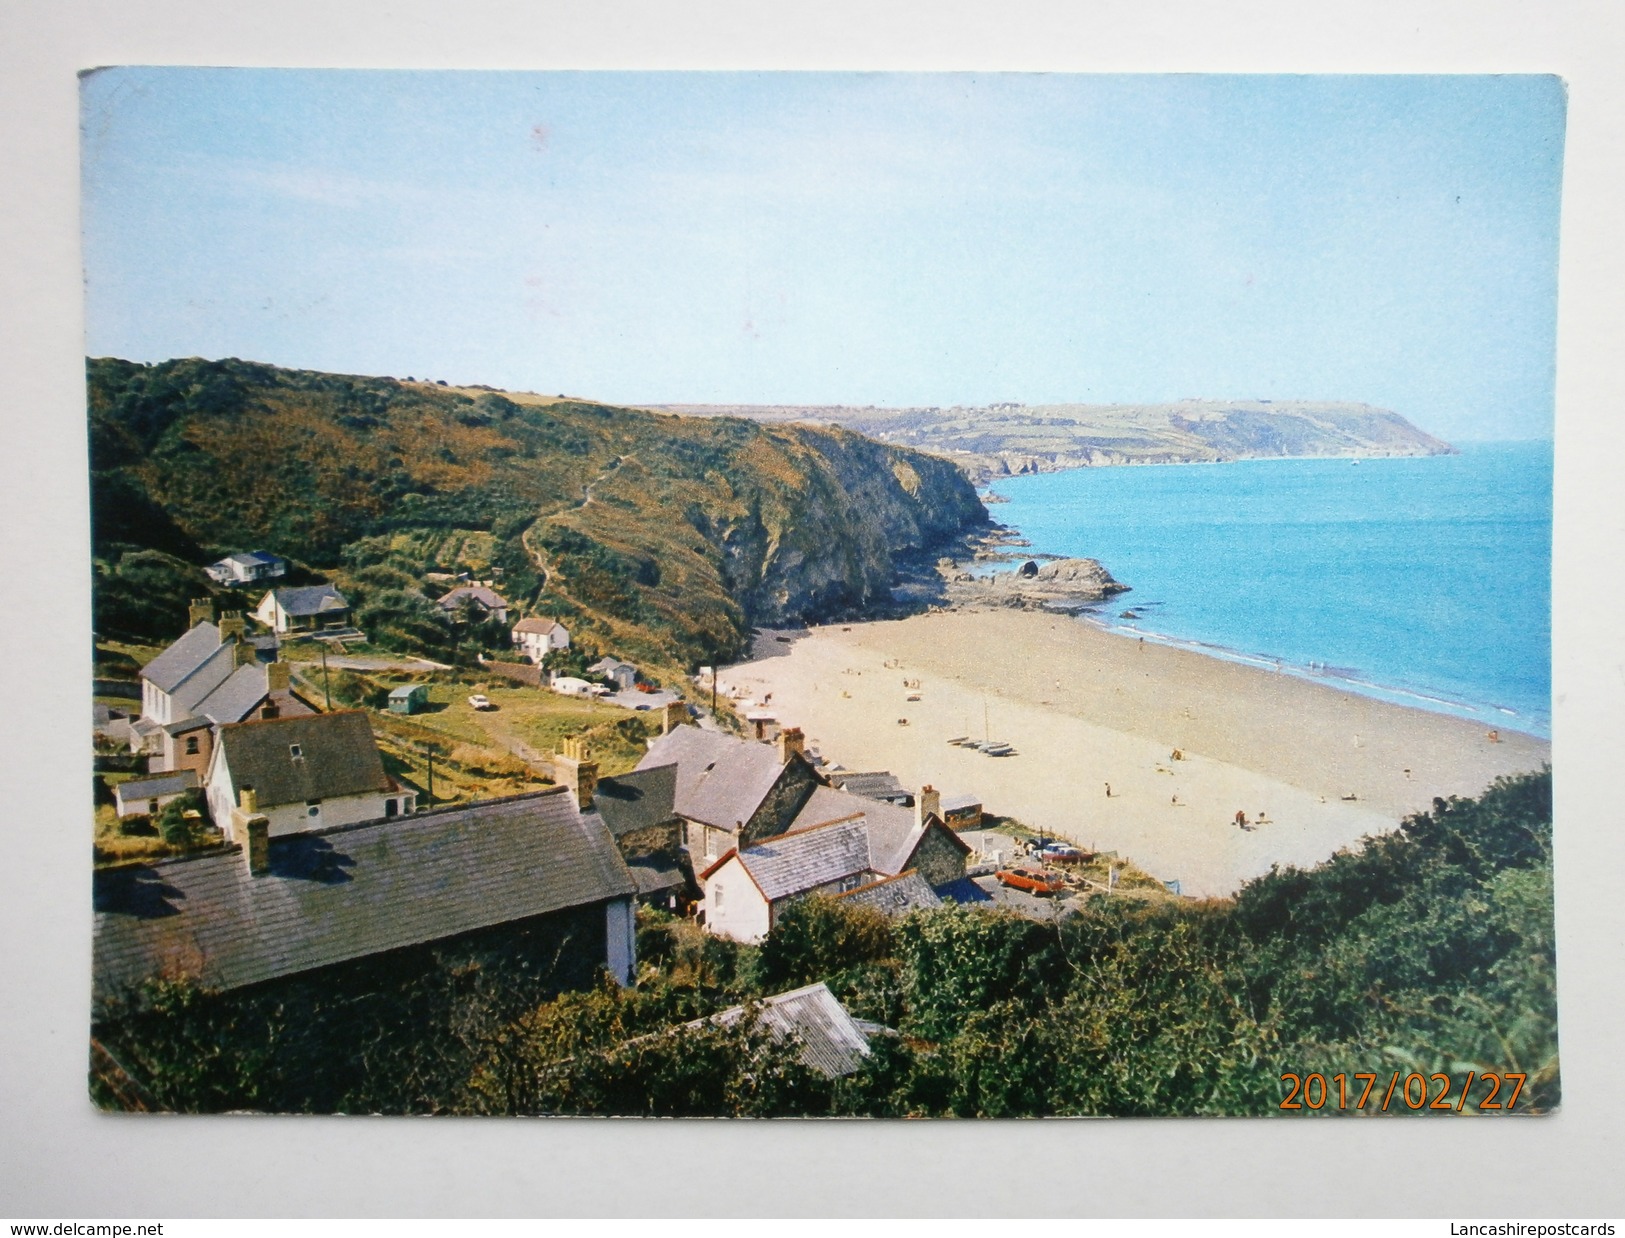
(1426, 581)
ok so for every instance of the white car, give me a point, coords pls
(480, 701)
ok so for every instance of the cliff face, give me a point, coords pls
(668, 536)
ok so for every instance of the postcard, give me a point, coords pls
(822, 594)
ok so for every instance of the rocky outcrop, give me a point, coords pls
(1062, 584)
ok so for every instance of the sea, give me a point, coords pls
(1421, 580)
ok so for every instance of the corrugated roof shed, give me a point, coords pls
(341, 894)
(829, 1039)
(183, 657)
(293, 760)
(793, 863)
(637, 800)
(896, 896)
(721, 780)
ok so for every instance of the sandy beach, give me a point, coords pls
(1084, 709)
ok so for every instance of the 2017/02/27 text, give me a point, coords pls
(1415, 1091)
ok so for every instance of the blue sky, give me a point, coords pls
(842, 238)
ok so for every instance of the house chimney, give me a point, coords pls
(278, 677)
(928, 803)
(252, 830)
(674, 715)
(232, 626)
(200, 611)
(573, 769)
(242, 654)
(791, 743)
(257, 844)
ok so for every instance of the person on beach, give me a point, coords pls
(1108, 790)
(1241, 819)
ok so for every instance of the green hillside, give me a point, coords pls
(663, 536)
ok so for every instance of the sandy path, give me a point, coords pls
(1085, 708)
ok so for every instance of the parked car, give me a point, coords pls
(1031, 880)
(480, 701)
(1061, 851)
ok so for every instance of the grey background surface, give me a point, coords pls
(59, 1158)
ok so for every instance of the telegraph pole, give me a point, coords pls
(327, 684)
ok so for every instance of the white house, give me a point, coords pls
(536, 638)
(305, 773)
(839, 844)
(247, 567)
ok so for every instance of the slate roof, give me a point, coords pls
(479, 593)
(234, 699)
(352, 891)
(721, 780)
(305, 600)
(606, 666)
(654, 877)
(636, 800)
(794, 863)
(896, 896)
(183, 657)
(830, 1040)
(531, 623)
(185, 725)
(958, 803)
(876, 786)
(893, 834)
(891, 829)
(159, 784)
(337, 756)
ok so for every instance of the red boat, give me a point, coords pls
(1031, 880)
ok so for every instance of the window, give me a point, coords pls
(313, 808)
(296, 752)
(191, 745)
(389, 808)
(716, 897)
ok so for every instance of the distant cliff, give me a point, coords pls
(662, 536)
(1005, 439)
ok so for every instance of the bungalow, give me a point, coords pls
(308, 608)
(303, 774)
(477, 601)
(536, 638)
(247, 567)
(137, 796)
(871, 846)
(733, 792)
(287, 906)
(622, 674)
